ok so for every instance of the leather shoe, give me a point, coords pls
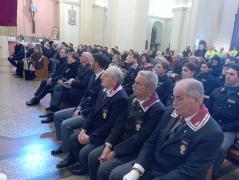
(48, 119)
(67, 161)
(79, 172)
(57, 151)
(32, 102)
(47, 114)
(18, 76)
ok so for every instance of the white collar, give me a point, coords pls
(99, 74)
(113, 91)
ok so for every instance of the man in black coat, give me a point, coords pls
(67, 120)
(131, 74)
(74, 87)
(143, 114)
(47, 85)
(224, 105)
(96, 128)
(183, 146)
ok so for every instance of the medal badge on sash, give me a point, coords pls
(138, 125)
(183, 147)
(105, 113)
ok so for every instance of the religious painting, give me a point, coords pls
(72, 16)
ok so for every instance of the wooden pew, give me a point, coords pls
(42, 74)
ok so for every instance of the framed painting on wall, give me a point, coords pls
(72, 16)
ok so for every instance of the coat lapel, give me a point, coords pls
(179, 135)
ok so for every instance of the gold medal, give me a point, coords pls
(182, 149)
(138, 125)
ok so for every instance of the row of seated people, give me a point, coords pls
(28, 59)
(97, 64)
(118, 133)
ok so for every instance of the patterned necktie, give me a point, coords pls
(177, 127)
(181, 122)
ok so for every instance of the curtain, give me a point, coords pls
(8, 12)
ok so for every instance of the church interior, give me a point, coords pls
(174, 30)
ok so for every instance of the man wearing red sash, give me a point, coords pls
(183, 146)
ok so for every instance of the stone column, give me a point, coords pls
(127, 23)
(177, 27)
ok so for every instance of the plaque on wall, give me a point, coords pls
(72, 16)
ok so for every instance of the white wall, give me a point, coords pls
(127, 24)
(224, 33)
(99, 25)
(211, 21)
(4, 47)
(69, 33)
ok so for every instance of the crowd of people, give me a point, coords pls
(131, 115)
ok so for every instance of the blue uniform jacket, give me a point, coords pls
(186, 155)
(105, 116)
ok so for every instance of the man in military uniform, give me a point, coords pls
(95, 129)
(69, 119)
(224, 106)
(183, 146)
(144, 111)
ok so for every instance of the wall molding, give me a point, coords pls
(69, 2)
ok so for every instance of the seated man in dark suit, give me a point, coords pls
(69, 119)
(17, 57)
(73, 89)
(47, 85)
(109, 105)
(183, 146)
(144, 111)
(131, 74)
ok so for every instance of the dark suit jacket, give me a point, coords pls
(164, 88)
(70, 71)
(104, 116)
(82, 78)
(223, 105)
(131, 138)
(60, 69)
(186, 155)
(129, 80)
(90, 96)
(79, 85)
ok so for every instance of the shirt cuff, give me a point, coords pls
(109, 145)
(139, 167)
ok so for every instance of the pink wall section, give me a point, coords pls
(47, 16)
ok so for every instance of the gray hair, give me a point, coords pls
(116, 73)
(88, 56)
(194, 87)
(150, 79)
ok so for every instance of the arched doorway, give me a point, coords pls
(156, 36)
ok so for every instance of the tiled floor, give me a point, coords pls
(25, 143)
